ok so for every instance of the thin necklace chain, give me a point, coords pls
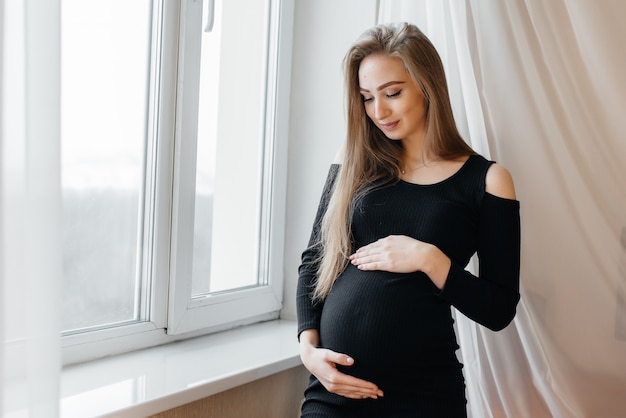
(403, 171)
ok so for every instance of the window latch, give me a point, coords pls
(210, 16)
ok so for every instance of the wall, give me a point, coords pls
(323, 32)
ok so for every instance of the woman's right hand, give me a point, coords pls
(322, 363)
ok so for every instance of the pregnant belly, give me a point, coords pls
(389, 323)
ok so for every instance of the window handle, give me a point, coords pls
(210, 16)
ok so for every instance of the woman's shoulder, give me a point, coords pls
(499, 182)
(484, 175)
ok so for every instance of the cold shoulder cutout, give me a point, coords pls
(499, 182)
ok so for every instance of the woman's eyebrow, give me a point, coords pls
(382, 86)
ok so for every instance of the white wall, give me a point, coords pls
(323, 32)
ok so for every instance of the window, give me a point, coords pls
(222, 129)
(104, 92)
(173, 168)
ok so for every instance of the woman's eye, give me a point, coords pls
(396, 94)
(367, 99)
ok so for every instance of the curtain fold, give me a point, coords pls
(539, 87)
(30, 199)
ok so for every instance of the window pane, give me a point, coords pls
(230, 148)
(104, 96)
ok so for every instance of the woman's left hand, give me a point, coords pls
(402, 254)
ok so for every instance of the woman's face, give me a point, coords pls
(392, 100)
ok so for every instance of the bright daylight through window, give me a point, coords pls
(169, 157)
(104, 108)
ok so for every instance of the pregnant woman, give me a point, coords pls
(406, 207)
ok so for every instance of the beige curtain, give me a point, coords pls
(540, 86)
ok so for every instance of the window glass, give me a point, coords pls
(104, 98)
(230, 148)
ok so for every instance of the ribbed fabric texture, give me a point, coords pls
(398, 327)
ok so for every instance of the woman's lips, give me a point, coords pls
(389, 126)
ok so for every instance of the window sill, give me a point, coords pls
(154, 380)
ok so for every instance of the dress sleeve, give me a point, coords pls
(308, 311)
(491, 298)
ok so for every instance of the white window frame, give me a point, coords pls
(260, 302)
(170, 313)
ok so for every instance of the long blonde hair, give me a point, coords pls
(369, 156)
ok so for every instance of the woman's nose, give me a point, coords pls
(381, 110)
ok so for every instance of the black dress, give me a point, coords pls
(399, 327)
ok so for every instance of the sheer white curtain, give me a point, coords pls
(540, 87)
(30, 203)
